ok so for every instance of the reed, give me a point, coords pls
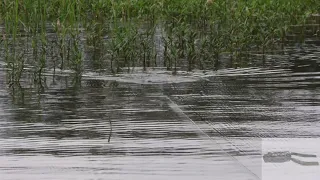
(194, 33)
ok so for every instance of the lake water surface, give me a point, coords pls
(200, 125)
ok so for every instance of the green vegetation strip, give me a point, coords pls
(123, 33)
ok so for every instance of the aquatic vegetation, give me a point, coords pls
(192, 34)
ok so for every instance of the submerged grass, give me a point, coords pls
(127, 33)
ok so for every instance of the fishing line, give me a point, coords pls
(178, 110)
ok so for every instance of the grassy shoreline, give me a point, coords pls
(125, 33)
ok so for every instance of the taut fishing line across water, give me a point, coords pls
(179, 111)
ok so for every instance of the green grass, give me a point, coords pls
(121, 32)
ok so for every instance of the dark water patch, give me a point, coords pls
(245, 105)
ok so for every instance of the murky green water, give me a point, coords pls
(200, 125)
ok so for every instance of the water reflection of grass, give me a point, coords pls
(192, 33)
